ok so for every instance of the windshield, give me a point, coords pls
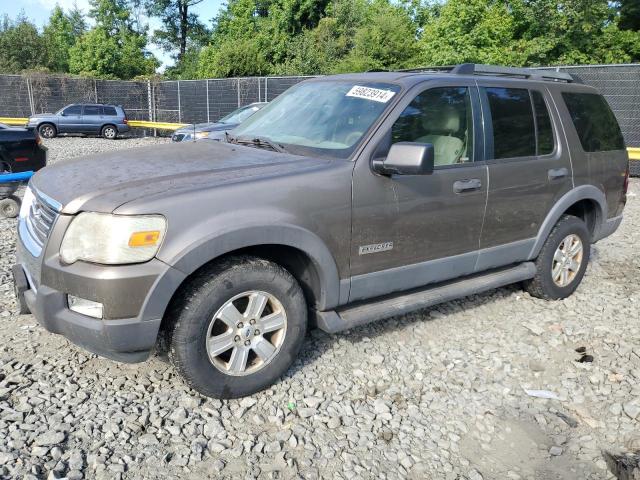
(321, 118)
(241, 114)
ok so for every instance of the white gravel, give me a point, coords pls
(435, 394)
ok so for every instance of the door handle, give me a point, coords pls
(470, 185)
(556, 173)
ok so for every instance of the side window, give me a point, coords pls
(92, 110)
(543, 124)
(109, 111)
(595, 123)
(442, 117)
(73, 110)
(514, 133)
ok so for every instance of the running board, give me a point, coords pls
(354, 316)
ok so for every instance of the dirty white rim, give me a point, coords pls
(567, 260)
(246, 333)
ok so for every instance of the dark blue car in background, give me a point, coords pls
(87, 118)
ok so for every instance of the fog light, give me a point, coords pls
(84, 307)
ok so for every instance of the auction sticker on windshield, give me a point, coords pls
(368, 93)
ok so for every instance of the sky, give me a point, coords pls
(38, 11)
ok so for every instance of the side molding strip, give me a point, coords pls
(362, 314)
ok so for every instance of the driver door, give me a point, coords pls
(71, 119)
(412, 230)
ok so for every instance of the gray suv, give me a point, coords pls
(346, 200)
(87, 118)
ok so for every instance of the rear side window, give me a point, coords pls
(514, 133)
(595, 123)
(92, 110)
(109, 111)
(543, 124)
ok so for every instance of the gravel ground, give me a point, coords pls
(435, 394)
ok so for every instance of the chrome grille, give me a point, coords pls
(36, 225)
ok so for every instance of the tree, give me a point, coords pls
(114, 48)
(629, 15)
(21, 46)
(181, 29)
(59, 37)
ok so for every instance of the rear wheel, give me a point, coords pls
(10, 207)
(237, 327)
(109, 132)
(562, 261)
(47, 130)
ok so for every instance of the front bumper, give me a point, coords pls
(134, 298)
(126, 340)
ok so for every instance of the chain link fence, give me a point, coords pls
(195, 101)
(179, 101)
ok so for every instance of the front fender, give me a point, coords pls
(196, 255)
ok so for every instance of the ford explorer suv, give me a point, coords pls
(346, 200)
(107, 121)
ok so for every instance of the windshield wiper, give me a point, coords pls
(258, 142)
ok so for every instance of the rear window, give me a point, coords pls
(514, 133)
(110, 111)
(92, 110)
(595, 123)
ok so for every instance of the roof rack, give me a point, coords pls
(478, 69)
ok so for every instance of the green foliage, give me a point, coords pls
(114, 48)
(263, 37)
(21, 47)
(59, 36)
(180, 29)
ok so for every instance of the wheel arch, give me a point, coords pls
(586, 202)
(299, 251)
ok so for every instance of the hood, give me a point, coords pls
(106, 181)
(42, 115)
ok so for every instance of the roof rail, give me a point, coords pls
(478, 69)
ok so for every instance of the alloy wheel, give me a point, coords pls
(567, 260)
(246, 333)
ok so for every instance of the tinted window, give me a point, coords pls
(110, 111)
(92, 110)
(543, 124)
(595, 123)
(442, 117)
(514, 132)
(73, 110)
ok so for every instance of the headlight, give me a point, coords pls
(202, 135)
(112, 239)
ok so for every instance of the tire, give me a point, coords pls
(564, 236)
(10, 207)
(109, 132)
(196, 317)
(47, 130)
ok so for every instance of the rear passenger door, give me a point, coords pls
(91, 118)
(529, 169)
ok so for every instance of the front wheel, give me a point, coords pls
(47, 130)
(562, 261)
(237, 327)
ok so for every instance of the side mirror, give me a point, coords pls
(407, 158)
